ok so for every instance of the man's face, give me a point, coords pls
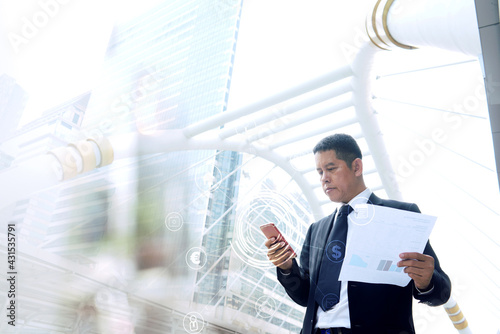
(337, 179)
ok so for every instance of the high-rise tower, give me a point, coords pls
(12, 102)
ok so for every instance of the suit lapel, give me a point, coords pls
(323, 232)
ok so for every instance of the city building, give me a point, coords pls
(167, 218)
(13, 100)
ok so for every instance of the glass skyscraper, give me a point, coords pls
(167, 226)
(12, 102)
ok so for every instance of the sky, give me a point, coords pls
(54, 49)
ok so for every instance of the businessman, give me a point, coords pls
(345, 307)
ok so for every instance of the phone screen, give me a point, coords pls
(270, 230)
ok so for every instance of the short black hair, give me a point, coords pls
(345, 146)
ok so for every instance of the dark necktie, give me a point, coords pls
(327, 293)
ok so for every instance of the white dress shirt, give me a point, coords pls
(338, 316)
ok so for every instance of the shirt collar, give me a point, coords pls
(361, 198)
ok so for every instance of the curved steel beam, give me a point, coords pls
(175, 140)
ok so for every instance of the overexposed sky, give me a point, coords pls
(54, 49)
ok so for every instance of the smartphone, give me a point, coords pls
(270, 230)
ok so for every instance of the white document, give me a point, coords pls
(377, 235)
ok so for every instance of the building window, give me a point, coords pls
(76, 118)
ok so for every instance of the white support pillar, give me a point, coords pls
(408, 24)
(457, 317)
(45, 171)
(362, 68)
(223, 118)
(313, 132)
(175, 140)
(288, 108)
(342, 102)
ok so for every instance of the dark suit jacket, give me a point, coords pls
(373, 308)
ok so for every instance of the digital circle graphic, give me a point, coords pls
(265, 307)
(196, 258)
(193, 322)
(363, 211)
(102, 298)
(208, 177)
(174, 221)
(329, 300)
(335, 251)
(265, 207)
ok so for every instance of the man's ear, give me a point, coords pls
(357, 166)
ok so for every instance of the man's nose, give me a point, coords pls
(324, 177)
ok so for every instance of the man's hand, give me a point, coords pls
(279, 254)
(419, 267)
